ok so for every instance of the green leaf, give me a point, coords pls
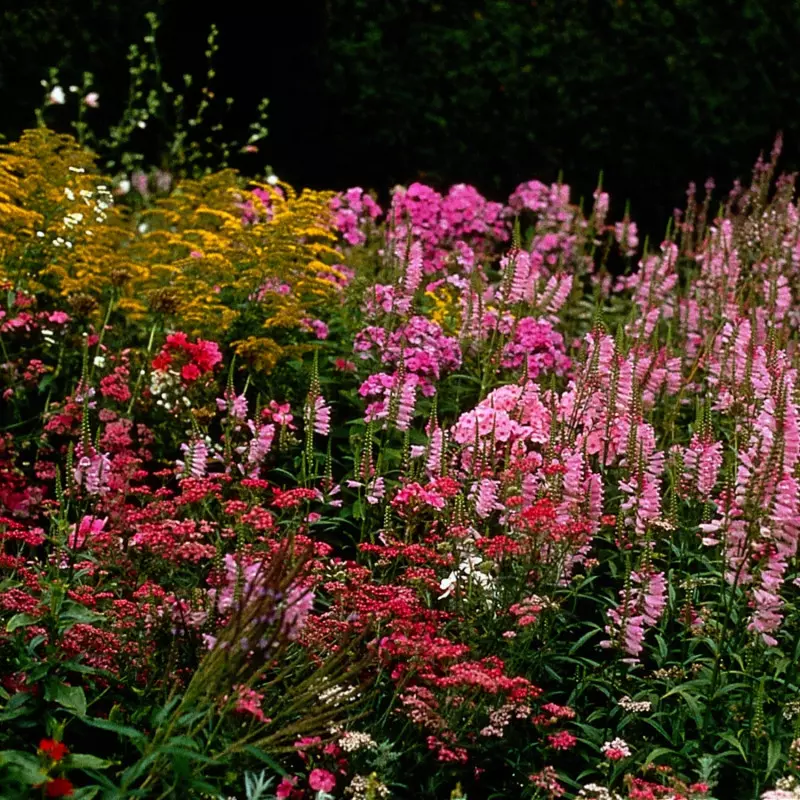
(662, 647)
(773, 755)
(184, 752)
(121, 730)
(77, 613)
(691, 702)
(655, 753)
(85, 761)
(728, 737)
(20, 621)
(25, 765)
(585, 638)
(267, 759)
(70, 697)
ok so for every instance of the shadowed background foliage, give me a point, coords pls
(653, 92)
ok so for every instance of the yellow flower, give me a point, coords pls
(189, 255)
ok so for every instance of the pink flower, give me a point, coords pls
(562, 740)
(89, 526)
(616, 750)
(320, 780)
(285, 787)
(92, 99)
(322, 416)
(249, 702)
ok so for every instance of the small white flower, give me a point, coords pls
(56, 96)
(73, 89)
(99, 361)
(447, 585)
(141, 123)
(92, 99)
(69, 193)
(272, 180)
(634, 706)
(142, 227)
(40, 234)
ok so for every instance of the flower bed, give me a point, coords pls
(304, 498)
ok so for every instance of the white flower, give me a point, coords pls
(73, 89)
(447, 585)
(142, 227)
(92, 99)
(141, 123)
(57, 96)
(272, 180)
(124, 186)
(634, 706)
(99, 361)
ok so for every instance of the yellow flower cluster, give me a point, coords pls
(187, 257)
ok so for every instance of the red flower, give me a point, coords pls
(59, 787)
(53, 749)
(190, 373)
(176, 341)
(162, 361)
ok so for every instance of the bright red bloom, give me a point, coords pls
(344, 366)
(176, 341)
(59, 787)
(53, 749)
(190, 373)
(162, 361)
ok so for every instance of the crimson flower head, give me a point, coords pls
(162, 361)
(53, 749)
(190, 373)
(59, 787)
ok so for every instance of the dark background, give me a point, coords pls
(492, 92)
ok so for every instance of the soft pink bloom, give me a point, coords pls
(320, 780)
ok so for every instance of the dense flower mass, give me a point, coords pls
(465, 497)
